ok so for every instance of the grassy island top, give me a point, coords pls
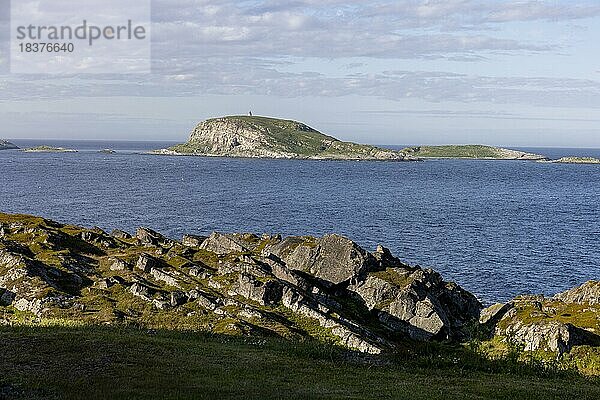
(471, 151)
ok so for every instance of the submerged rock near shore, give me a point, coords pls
(262, 137)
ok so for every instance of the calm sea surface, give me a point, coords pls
(498, 228)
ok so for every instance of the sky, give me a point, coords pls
(510, 73)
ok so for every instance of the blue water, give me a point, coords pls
(498, 228)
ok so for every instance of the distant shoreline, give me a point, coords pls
(567, 156)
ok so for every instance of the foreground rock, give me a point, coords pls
(261, 137)
(556, 325)
(328, 288)
(6, 145)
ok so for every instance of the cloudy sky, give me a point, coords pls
(513, 73)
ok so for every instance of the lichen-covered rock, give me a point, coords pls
(35, 306)
(166, 277)
(552, 336)
(265, 293)
(109, 282)
(150, 237)
(117, 264)
(223, 244)
(494, 313)
(141, 291)
(162, 304)
(553, 325)
(98, 237)
(418, 302)
(588, 293)
(349, 334)
(146, 262)
(333, 259)
(193, 240)
(119, 234)
(386, 259)
(325, 287)
(104, 284)
(375, 291)
(206, 302)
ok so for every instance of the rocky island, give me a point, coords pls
(262, 137)
(48, 149)
(577, 160)
(6, 145)
(471, 152)
(327, 289)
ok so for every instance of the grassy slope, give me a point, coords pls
(456, 151)
(284, 136)
(99, 363)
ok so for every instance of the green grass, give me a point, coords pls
(469, 151)
(580, 315)
(455, 151)
(124, 363)
(394, 277)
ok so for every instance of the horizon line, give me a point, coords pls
(371, 144)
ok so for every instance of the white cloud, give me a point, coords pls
(247, 78)
(232, 47)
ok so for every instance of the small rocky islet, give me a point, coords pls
(48, 149)
(328, 288)
(577, 160)
(6, 145)
(481, 152)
